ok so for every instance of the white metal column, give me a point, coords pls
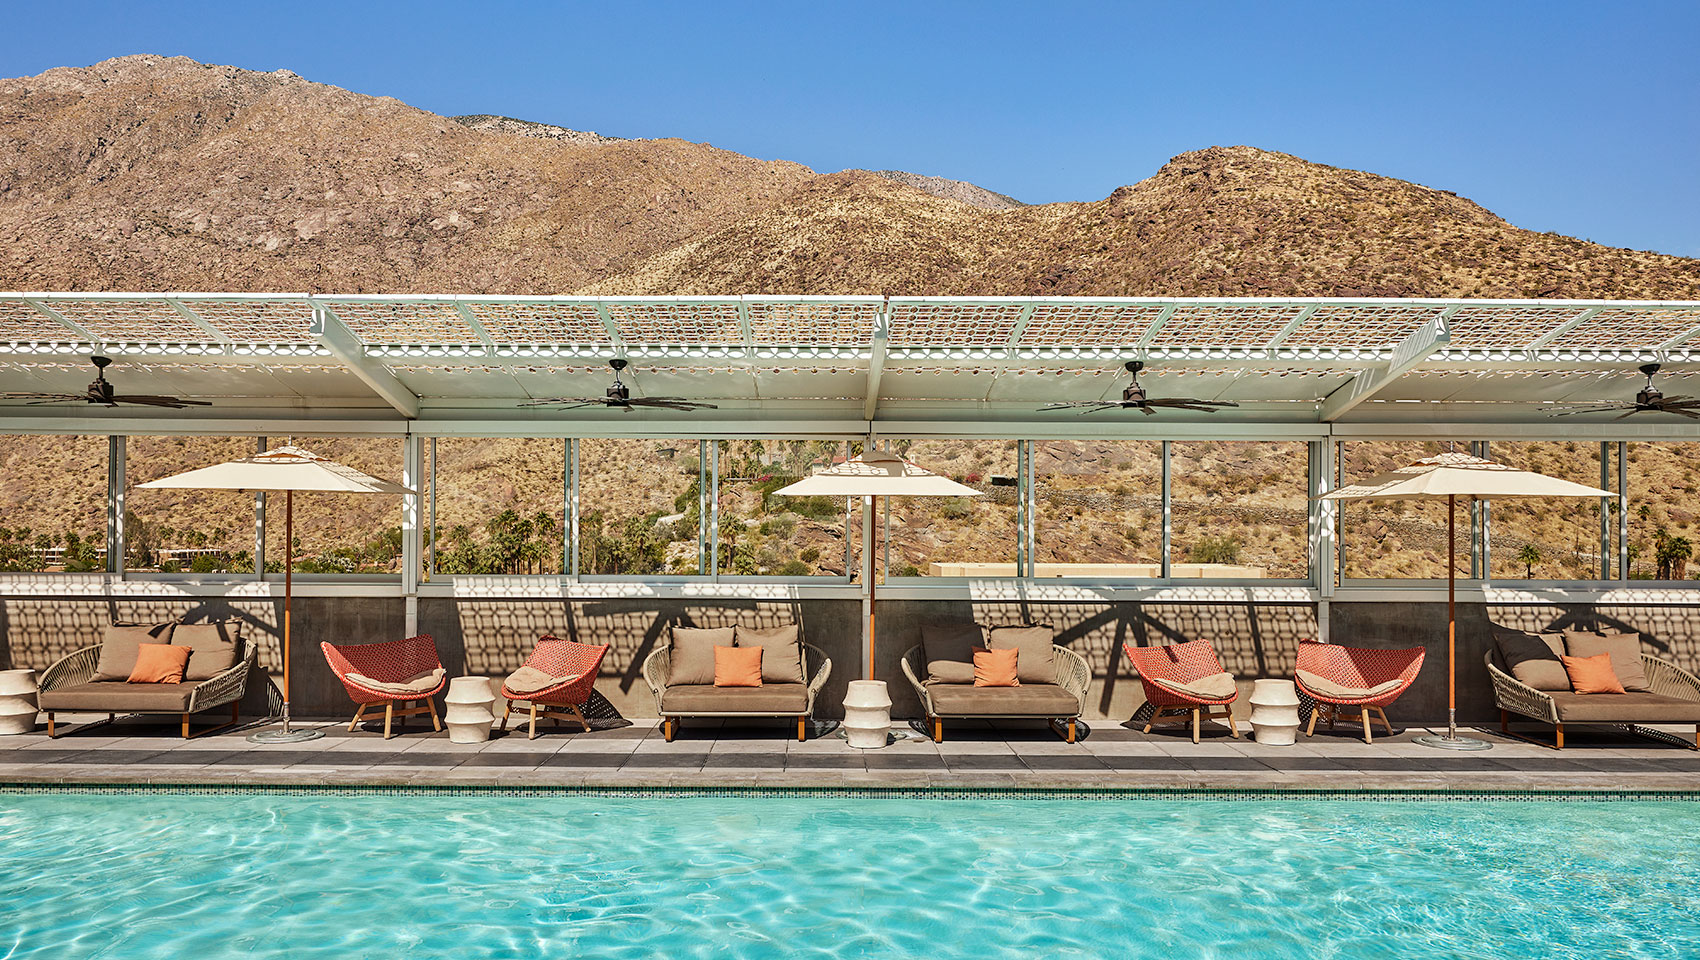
(1605, 511)
(573, 506)
(412, 539)
(259, 522)
(708, 495)
(115, 453)
(1168, 514)
(1622, 510)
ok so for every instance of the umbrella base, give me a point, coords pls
(284, 736)
(1454, 743)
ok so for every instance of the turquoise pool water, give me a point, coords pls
(259, 876)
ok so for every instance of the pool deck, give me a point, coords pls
(709, 754)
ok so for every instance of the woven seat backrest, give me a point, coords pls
(1176, 662)
(564, 658)
(1357, 666)
(391, 662)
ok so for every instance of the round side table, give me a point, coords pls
(468, 709)
(1275, 712)
(18, 707)
(867, 714)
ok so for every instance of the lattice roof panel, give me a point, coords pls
(684, 323)
(1618, 328)
(1089, 324)
(1507, 326)
(1225, 324)
(812, 322)
(966, 323)
(130, 320)
(1360, 326)
(403, 321)
(21, 322)
(256, 321)
(520, 322)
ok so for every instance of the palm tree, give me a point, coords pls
(1528, 557)
(1673, 555)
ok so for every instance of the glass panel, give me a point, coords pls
(1098, 507)
(1240, 509)
(1396, 539)
(52, 503)
(186, 531)
(773, 536)
(499, 505)
(1543, 539)
(639, 509)
(342, 532)
(955, 536)
(1663, 481)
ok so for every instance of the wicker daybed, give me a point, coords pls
(76, 684)
(789, 697)
(944, 679)
(1670, 694)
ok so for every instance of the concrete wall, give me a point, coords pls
(492, 637)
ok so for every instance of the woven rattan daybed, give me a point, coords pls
(941, 670)
(1669, 695)
(76, 684)
(790, 693)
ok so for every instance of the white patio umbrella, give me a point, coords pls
(1448, 477)
(875, 474)
(286, 469)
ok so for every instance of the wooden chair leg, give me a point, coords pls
(1232, 730)
(1070, 729)
(1363, 714)
(533, 734)
(938, 729)
(580, 715)
(1505, 722)
(1381, 714)
(389, 716)
(431, 705)
(185, 726)
(1310, 731)
(1560, 736)
(505, 712)
(668, 728)
(51, 734)
(1196, 711)
(359, 709)
(802, 732)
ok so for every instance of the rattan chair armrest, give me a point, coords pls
(69, 670)
(818, 680)
(224, 687)
(1670, 680)
(1511, 694)
(910, 657)
(656, 667)
(1073, 673)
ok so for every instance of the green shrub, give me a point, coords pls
(1215, 550)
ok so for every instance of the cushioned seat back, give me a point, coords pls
(217, 647)
(119, 646)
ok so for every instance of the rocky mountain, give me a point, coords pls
(149, 172)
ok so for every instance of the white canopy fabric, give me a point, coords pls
(877, 473)
(1461, 475)
(283, 469)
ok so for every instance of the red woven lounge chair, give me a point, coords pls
(576, 664)
(389, 674)
(1184, 664)
(1357, 677)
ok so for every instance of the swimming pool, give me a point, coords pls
(261, 875)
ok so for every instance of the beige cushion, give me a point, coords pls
(769, 699)
(217, 647)
(693, 654)
(531, 680)
(1217, 686)
(948, 648)
(118, 648)
(109, 696)
(1334, 691)
(1533, 658)
(781, 654)
(1026, 700)
(420, 683)
(1035, 660)
(1625, 650)
(1623, 708)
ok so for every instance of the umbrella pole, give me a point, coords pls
(1452, 741)
(286, 735)
(873, 584)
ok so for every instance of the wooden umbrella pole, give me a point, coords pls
(288, 590)
(873, 584)
(1451, 617)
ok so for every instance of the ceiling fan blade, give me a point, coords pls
(1684, 412)
(1567, 412)
(1632, 411)
(567, 401)
(156, 401)
(44, 397)
(1070, 404)
(1668, 401)
(668, 403)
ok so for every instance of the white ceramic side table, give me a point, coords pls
(1274, 712)
(867, 714)
(17, 702)
(468, 709)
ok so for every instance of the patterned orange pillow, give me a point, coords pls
(737, 666)
(1592, 674)
(159, 663)
(995, 668)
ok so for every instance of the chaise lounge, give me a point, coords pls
(1050, 679)
(1531, 679)
(683, 676)
(96, 679)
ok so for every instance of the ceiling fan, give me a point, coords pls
(1134, 398)
(1649, 399)
(619, 395)
(101, 391)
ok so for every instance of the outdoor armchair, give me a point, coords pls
(556, 680)
(1185, 679)
(1337, 677)
(68, 685)
(389, 674)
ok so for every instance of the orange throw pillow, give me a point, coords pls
(160, 663)
(995, 668)
(737, 666)
(1592, 674)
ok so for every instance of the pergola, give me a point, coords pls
(848, 367)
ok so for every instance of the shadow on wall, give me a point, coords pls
(1672, 633)
(40, 630)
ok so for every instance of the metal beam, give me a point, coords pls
(1150, 333)
(1292, 325)
(64, 321)
(477, 328)
(1410, 352)
(1563, 328)
(335, 336)
(196, 319)
(876, 362)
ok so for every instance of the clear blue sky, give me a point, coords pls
(1582, 118)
